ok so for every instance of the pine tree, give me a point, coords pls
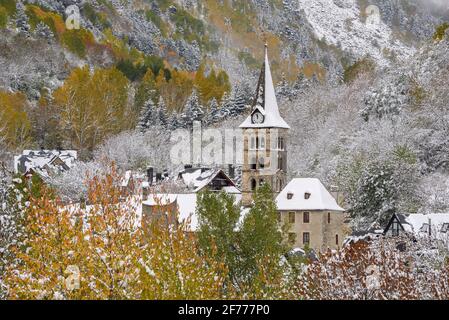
(225, 108)
(44, 31)
(194, 111)
(162, 113)
(174, 121)
(239, 101)
(148, 117)
(22, 20)
(213, 112)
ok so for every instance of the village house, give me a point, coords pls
(315, 219)
(433, 226)
(44, 163)
(163, 208)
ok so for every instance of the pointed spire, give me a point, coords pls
(266, 99)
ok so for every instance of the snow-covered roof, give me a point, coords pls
(186, 206)
(199, 178)
(419, 224)
(318, 197)
(273, 118)
(38, 159)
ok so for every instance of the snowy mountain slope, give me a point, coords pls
(341, 23)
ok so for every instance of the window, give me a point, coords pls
(307, 195)
(306, 238)
(253, 184)
(289, 195)
(261, 163)
(253, 164)
(291, 217)
(336, 239)
(280, 159)
(445, 228)
(292, 237)
(261, 182)
(395, 229)
(262, 143)
(253, 142)
(280, 143)
(328, 217)
(306, 217)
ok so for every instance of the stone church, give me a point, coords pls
(315, 219)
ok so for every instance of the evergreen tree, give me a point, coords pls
(213, 111)
(194, 111)
(148, 116)
(22, 20)
(239, 101)
(173, 121)
(44, 31)
(225, 108)
(162, 112)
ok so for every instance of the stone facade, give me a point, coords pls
(324, 229)
(264, 161)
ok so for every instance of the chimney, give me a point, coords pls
(150, 173)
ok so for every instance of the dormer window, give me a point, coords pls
(289, 195)
(307, 195)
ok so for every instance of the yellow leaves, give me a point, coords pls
(172, 268)
(93, 106)
(14, 123)
(214, 85)
(104, 248)
(176, 90)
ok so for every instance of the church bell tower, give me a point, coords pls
(264, 140)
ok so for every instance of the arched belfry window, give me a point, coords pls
(253, 143)
(280, 160)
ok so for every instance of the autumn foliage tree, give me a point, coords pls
(100, 251)
(15, 126)
(379, 270)
(93, 106)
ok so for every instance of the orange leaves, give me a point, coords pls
(376, 270)
(101, 252)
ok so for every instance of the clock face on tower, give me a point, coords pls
(257, 117)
